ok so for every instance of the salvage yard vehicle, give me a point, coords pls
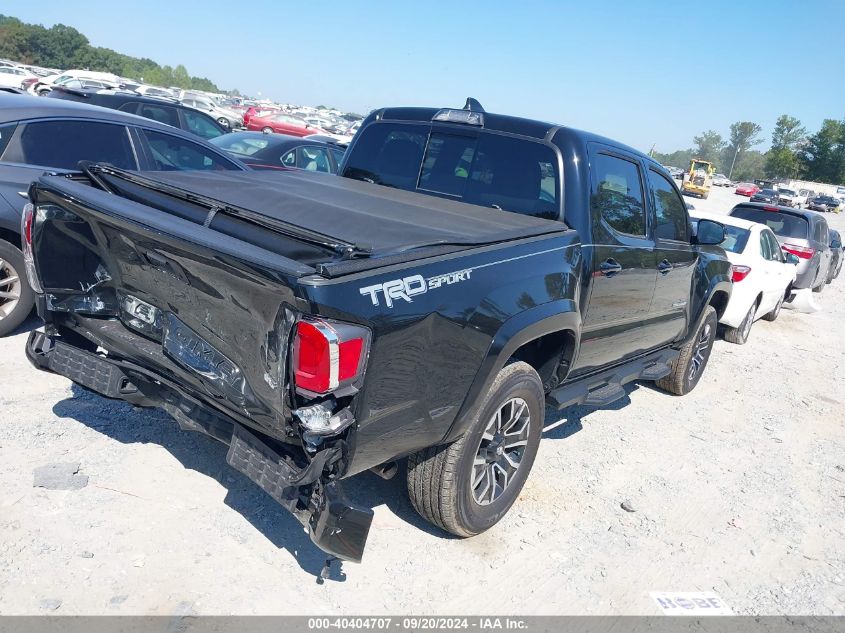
(43, 86)
(824, 204)
(762, 275)
(227, 118)
(699, 179)
(747, 189)
(769, 196)
(37, 135)
(804, 234)
(280, 151)
(428, 304)
(791, 198)
(168, 111)
(282, 123)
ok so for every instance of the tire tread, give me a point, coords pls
(432, 476)
(674, 381)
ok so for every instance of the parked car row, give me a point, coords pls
(230, 113)
(784, 196)
(130, 131)
(775, 251)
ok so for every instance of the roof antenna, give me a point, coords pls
(472, 105)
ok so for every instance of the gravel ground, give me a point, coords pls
(738, 488)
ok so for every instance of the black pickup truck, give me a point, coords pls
(466, 271)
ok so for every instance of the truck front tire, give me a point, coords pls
(690, 364)
(467, 486)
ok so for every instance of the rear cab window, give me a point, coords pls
(782, 224)
(473, 166)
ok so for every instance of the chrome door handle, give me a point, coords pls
(610, 267)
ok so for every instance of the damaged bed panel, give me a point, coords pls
(224, 321)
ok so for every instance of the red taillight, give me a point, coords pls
(738, 273)
(27, 220)
(802, 252)
(328, 355)
(26, 228)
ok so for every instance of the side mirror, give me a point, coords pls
(792, 259)
(710, 232)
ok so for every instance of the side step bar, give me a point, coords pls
(604, 388)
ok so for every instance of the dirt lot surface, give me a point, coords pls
(738, 488)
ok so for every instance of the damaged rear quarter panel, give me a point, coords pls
(428, 351)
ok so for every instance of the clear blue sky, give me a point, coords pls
(640, 71)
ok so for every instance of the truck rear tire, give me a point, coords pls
(688, 367)
(467, 486)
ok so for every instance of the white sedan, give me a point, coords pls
(762, 274)
(11, 77)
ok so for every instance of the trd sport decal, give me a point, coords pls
(409, 287)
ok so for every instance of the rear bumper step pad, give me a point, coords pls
(335, 525)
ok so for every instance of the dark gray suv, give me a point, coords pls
(803, 233)
(38, 135)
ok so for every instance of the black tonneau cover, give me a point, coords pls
(372, 217)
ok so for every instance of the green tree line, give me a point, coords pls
(64, 47)
(819, 157)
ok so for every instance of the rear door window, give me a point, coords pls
(765, 247)
(62, 144)
(782, 224)
(163, 114)
(337, 154)
(200, 124)
(171, 153)
(774, 246)
(6, 131)
(313, 159)
(289, 159)
(617, 196)
(820, 233)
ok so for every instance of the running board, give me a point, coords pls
(604, 388)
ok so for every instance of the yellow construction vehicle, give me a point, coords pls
(699, 179)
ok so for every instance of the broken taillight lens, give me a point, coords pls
(27, 224)
(328, 355)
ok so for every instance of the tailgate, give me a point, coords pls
(178, 297)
